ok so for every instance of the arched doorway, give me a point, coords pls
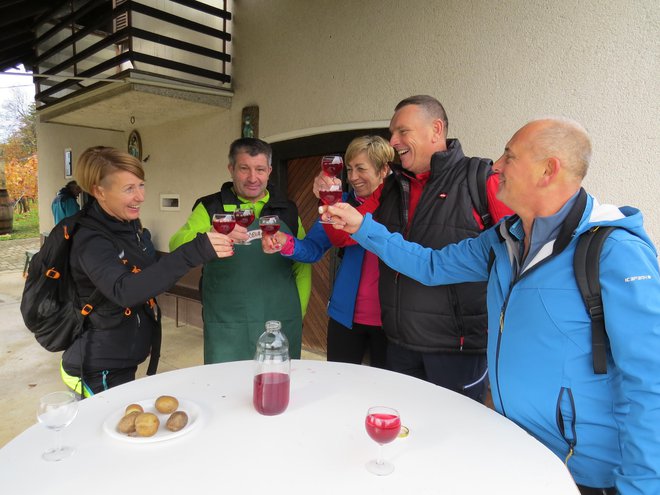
(295, 164)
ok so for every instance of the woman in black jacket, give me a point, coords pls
(117, 259)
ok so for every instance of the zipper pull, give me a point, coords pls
(570, 454)
(502, 320)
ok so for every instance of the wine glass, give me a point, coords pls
(332, 165)
(329, 195)
(56, 411)
(269, 224)
(224, 223)
(383, 425)
(244, 217)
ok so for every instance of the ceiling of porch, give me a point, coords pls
(118, 106)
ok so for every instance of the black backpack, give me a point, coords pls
(479, 170)
(50, 306)
(586, 266)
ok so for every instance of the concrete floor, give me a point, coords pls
(27, 371)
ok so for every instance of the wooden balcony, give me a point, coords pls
(164, 59)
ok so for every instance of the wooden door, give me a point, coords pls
(300, 177)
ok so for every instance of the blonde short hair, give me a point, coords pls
(97, 163)
(378, 150)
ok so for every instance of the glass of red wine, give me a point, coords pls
(329, 195)
(224, 223)
(332, 165)
(269, 224)
(244, 217)
(383, 425)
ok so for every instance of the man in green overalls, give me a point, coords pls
(242, 292)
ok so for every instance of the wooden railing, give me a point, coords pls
(83, 44)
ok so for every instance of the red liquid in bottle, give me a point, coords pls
(223, 227)
(331, 169)
(269, 229)
(270, 395)
(244, 220)
(383, 428)
(329, 197)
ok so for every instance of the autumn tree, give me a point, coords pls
(18, 151)
(21, 179)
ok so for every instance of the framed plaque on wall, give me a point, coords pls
(135, 145)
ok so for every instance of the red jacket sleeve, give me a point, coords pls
(497, 209)
(338, 237)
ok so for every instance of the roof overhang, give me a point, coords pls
(17, 36)
(118, 105)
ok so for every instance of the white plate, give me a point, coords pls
(190, 408)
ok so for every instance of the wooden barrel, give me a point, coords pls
(6, 213)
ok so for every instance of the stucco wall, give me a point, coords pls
(311, 65)
(53, 139)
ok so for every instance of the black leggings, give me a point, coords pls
(348, 345)
(98, 381)
(587, 490)
(466, 374)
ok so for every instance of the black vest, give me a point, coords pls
(277, 205)
(445, 318)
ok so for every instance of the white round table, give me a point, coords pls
(318, 445)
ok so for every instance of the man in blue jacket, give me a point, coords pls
(607, 426)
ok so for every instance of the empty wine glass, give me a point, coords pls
(56, 411)
(383, 425)
(224, 223)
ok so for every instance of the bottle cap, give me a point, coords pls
(273, 325)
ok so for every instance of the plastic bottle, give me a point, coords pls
(272, 369)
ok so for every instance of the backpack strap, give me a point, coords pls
(96, 298)
(491, 260)
(86, 221)
(156, 341)
(479, 169)
(586, 265)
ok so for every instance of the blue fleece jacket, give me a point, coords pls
(64, 205)
(606, 427)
